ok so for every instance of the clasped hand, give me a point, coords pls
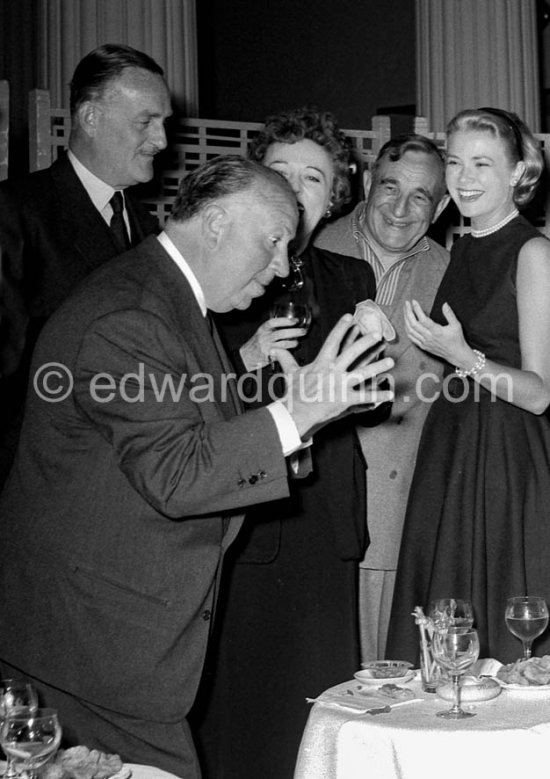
(338, 380)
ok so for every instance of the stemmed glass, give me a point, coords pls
(15, 694)
(526, 618)
(451, 611)
(29, 737)
(455, 649)
(290, 309)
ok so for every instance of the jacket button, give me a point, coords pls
(253, 479)
(206, 614)
(241, 482)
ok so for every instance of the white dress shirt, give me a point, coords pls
(99, 192)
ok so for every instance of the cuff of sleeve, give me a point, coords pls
(286, 427)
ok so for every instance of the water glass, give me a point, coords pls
(430, 672)
(15, 694)
(455, 649)
(526, 618)
(451, 611)
(29, 738)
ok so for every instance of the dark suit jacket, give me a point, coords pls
(112, 527)
(53, 237)
(63, 236)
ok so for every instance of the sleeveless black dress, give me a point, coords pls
(478, 516)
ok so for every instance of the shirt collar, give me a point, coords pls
(176, 255)
(100, 193)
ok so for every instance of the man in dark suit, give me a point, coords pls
(134, 463)
(58, 220)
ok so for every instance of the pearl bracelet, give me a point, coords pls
(477, 368)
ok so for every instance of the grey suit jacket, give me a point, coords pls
(121, 502)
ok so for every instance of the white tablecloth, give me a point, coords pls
(138, 771)
(508, 737)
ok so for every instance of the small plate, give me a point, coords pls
(148, 772)
(368, 681)
(381, 669)
(124, 773)
(527, 689)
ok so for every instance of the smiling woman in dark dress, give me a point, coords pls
(477, 522)
(287, 620)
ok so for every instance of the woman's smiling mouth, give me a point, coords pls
(469, 194)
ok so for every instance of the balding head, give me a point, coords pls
(222, 177)
(232, 221)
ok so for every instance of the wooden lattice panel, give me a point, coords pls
(194, 141)
(367, 143)
(49, 130)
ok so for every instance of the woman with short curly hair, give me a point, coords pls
(289, 620)
(317, 126)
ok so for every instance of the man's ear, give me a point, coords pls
(367, 183)
(440, 207)
(215, 221)
(87, 117)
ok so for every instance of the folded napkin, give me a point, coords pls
(370, 703)
(487, 666)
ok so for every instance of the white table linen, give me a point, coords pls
(509, 737)
(138, 771)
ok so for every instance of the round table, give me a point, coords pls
(508, 737)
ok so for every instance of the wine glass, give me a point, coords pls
(455, 649)
(526, 618)
(15, 694)
(292, 310)
(451, 611)
(29, 737)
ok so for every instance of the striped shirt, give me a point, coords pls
(387, 281)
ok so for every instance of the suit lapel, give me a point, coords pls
(227, 370)
(206, 347)
(84, 224)
(89, 232)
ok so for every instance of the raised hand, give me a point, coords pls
(327, 388)
(446, 341)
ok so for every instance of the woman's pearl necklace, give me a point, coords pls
(494, 228)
